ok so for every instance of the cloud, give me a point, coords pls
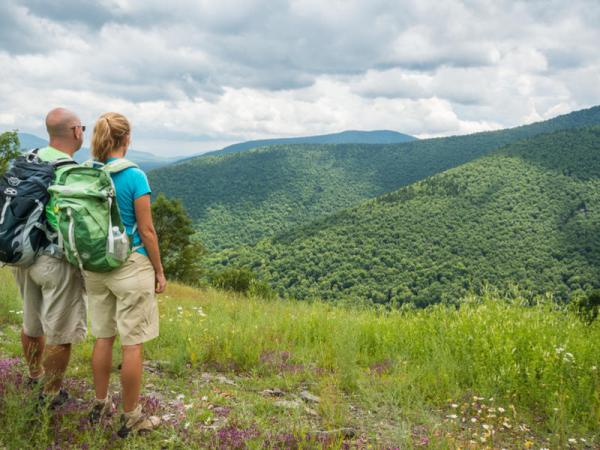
(203, 72)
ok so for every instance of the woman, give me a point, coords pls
(124, 300)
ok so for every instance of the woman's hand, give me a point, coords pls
(161, 283)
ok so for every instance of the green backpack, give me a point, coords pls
(90, 229)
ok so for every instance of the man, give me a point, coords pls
(54, 310)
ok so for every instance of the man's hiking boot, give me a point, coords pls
(52, 403)
(32, 383)
(100, 409)
(136, 422)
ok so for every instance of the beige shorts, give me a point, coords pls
(123, 301)
(53, 303)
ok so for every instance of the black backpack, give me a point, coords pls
(23, 198)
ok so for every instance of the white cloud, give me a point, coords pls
(203, 73)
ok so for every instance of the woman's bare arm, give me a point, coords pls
(145, 226)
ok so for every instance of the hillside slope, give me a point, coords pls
(230, 372)
(529, 214)
(241, 198)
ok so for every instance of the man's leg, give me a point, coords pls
(131, 375)
(62, 313)
(33, 349)
(32, 333)
(55, 366)
(102, 365)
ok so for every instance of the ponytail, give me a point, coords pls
(110, 131)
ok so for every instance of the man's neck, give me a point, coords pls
(62, 146)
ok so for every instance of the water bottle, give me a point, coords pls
(120, 245)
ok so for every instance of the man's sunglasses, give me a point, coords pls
(79, 126)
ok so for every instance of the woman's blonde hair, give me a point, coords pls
(110, 132)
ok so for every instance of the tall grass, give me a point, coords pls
(541, 358)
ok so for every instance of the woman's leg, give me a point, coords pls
(131, 375)
(102, 365)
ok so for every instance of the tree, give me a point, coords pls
(9, 148)
(179, 251)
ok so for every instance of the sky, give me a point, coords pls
(197, 75)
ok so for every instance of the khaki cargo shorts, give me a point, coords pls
(122, 301)
(53, 303)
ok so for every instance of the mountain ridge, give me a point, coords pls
(343, 137)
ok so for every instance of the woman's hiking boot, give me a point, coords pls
(136, 422)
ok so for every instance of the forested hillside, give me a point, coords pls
(241, 198)
(527, 215)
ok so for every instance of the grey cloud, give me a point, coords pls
(89, 12)
(17, 34)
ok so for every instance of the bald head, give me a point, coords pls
(64, 130)
(60, 122)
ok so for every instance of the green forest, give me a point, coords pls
(526, 217)
(241, 198)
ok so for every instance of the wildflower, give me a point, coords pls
(454, 405)
(451, 416)
(473, 419)
(528, 444)
(501, 409)
(572, 441)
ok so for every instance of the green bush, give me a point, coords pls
(237, 280)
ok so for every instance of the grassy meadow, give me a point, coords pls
(235, 372)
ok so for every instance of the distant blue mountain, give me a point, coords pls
(345, 137)
(29, 141)
(146, 161)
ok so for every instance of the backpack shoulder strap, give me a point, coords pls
(119, 165)
(63, 162)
